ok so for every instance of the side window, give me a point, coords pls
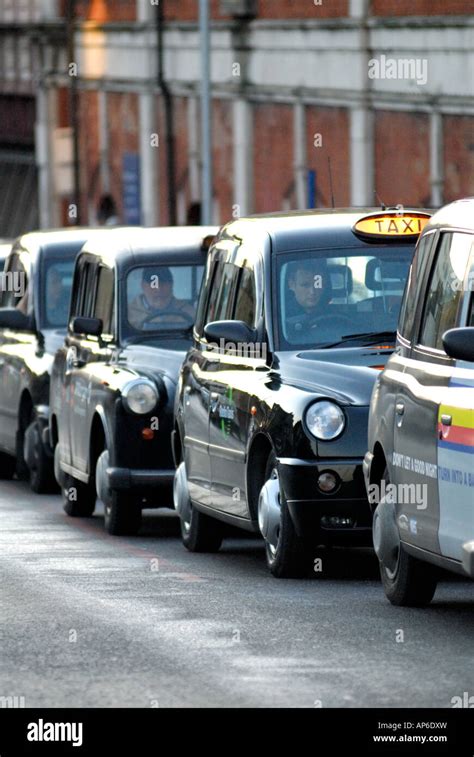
(445, 289)
(407, 313)
(204, 296)
(244, 309)
(221, 287)
(104, 300)
(224, 296)
(83, 289)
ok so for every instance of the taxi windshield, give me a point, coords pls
(161, 299)
(332, 297)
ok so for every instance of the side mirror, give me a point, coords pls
(87, 326)
(11, 318)
(233, 335)
(459, 343)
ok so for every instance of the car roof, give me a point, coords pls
(456, 215)
(136, 244)
(54, 240)
(309, 229)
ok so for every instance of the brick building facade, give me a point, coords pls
(297, 120)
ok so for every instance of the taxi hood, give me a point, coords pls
(347, 374)
(155, 361)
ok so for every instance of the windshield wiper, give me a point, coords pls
(369, 337)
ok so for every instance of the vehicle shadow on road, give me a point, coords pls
(159, 524)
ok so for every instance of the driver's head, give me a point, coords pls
(157, 286)
(309, 282)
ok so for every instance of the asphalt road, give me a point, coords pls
(89, 620)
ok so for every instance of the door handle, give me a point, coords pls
(214, 396)
(400, 408)
(446, 420)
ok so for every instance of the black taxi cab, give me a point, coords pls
(113, 380)
(34, 304)
(419, 467)
(297, 315)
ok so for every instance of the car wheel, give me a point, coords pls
(407, 581)
(40, 466)
(7, 466)
(122, 514)
(122, 511)
(201, 533)
(78, 498)
(287, 554)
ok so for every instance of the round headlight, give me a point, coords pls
(325, 420)
(140, 396)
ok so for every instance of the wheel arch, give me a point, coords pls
(379, 463)
(53, 425)
(177, 447)
(25, 409)
(260, 448)
(99, 438)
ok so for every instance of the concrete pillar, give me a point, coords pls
(48, 216)
(436, 159)
(299, 154)
(243, 156)
(362, 156)
(149, 160)
(362, 146)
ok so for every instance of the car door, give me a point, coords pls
(456, 440)
(16, 347)
(71, 420)
(88, 373)
(234, 380)
(197, 368)
(423, 386)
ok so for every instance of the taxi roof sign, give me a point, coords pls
(394, 224)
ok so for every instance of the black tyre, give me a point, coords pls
(122, 514)
(122, 510)
(413, 583)
(288, 556)
(7, 466)
(40, 465)
(201, 533)
(78, 498)
(407, 581)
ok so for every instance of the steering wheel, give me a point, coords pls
(180, 313)
(341, 319)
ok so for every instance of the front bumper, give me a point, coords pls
(312, 510)
(149, 483)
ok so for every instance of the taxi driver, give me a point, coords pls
(157, 303)
(309, 283)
